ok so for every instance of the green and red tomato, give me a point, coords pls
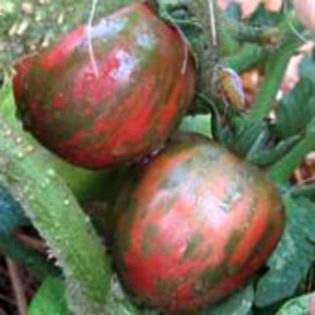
(108, 94)
(196, 226)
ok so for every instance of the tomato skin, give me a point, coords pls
(306, 12)
(114, 103)
(197, 225)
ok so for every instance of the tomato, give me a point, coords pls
(198, 223)
(109, 94)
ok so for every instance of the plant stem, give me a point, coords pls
(283, 169)
(276, 67)
(56, 214)
(275, 70)
(247, 57)
(17, 286)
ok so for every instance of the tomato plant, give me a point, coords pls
(181, 223)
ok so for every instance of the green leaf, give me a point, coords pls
(262, 17)
(303, 305)
(234, 11)
(296, 109)
(282, 170)
(49, 299)
(307, 68)
(291, 261)
(7, 107)
(247, 136)
(266, 157)
(197, 123)
(239, 303)
(307, 191)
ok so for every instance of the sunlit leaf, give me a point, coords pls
(49, 299)
(303, 305)
(198, 123)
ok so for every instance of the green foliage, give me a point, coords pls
(36, 178)
(198, 123)
(282, 170)
(248, 138)
(294, 256)
(263, 18)
(234, 11)
(306, 190)
(25, 28)
(298, 107)
(49, 298)
(303, 305)
(55, 212)
(266, 157)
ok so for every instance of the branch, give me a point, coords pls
(56, 214)
(17, 286)
(275, 69)
(247, 57)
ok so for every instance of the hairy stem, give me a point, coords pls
(56, 214)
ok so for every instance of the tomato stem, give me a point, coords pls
(283, 169)
(54, 211)
(275, 69)
(247, 57)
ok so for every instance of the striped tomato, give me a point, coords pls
(110, 93)
(198, 224)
